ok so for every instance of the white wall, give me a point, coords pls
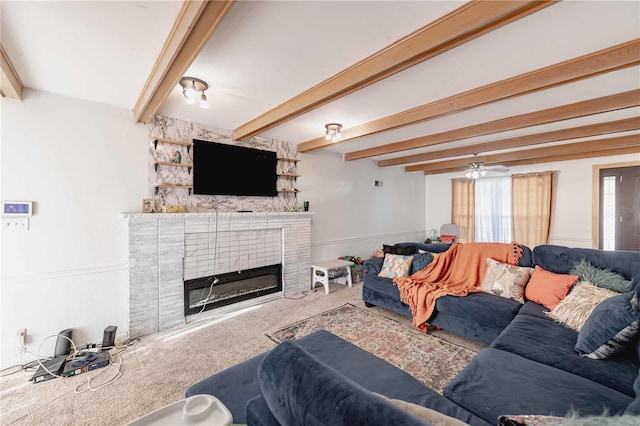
(571, 221)
(352, 216)
(83, 164)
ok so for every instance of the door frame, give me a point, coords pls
(595, 202)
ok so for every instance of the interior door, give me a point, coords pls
(620, 208)
(629, 209)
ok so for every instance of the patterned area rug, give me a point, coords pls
(429, 359)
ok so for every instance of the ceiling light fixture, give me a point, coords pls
(477, 169)
(333, 132)
(191, 86)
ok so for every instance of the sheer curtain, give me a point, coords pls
(493, 209)
(532, 197)
(462, 210)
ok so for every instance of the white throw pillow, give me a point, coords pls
(575, 308)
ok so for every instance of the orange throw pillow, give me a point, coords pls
(548, 288)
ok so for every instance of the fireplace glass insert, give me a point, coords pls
(230, 288)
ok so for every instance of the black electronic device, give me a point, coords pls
(109, 337)
(63, 346)
(88, 362)
(224, 169)
(54, 365)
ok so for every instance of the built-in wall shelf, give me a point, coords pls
(165, 163)
(172, 185)
(171, 142)
(290, 174)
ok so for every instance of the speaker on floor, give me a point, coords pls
(63, 346)
(109, 337)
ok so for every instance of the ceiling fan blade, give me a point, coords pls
(498, 168)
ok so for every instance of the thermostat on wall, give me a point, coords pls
(17, 208)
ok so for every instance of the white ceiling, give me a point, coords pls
(266, 52)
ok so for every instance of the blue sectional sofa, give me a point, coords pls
(530, 367)
(478, 316)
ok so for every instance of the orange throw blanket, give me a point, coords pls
(456, 272)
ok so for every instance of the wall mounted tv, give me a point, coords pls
(222, 169)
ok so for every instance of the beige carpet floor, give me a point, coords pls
(159, 368)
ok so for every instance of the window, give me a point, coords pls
(609, 213)
(493, 217)
(504, 209)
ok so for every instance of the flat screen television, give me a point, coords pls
(222, 169)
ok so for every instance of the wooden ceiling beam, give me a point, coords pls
(467, 22)
(553, 158)
(545, 116)
(599, 129)
(629, 141)
(192, 29)
(10, 84)
(606, 60)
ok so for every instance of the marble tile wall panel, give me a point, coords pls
(143, 276)
(172, 128)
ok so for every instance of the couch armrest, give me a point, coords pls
(374, 265)
(298, 389)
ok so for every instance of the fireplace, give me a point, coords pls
(206, 293)
(165, 250)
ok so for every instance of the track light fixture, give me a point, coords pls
(333, 132)
(191, 86)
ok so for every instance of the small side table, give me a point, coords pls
(320, 272)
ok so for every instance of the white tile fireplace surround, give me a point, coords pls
(166, 249)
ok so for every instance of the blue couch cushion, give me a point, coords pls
(634, 407)
(301, 389)
(552, 344)
(612, 326)
(481, 308)
(534, 309)
(561, 259)
(498, 383)
(469, 329)
(382, 285)
(373, 265)
(258, 413)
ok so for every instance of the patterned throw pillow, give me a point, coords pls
(395, 265)
(574, 310)
(420, 261)
(505, 280)
(610, 328)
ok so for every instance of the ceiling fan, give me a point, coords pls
(476, 168)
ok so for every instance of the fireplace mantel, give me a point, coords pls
(151, 216)
(157, 258)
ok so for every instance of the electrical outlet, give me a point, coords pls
(22, 337)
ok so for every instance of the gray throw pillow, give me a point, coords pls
(604, 278)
